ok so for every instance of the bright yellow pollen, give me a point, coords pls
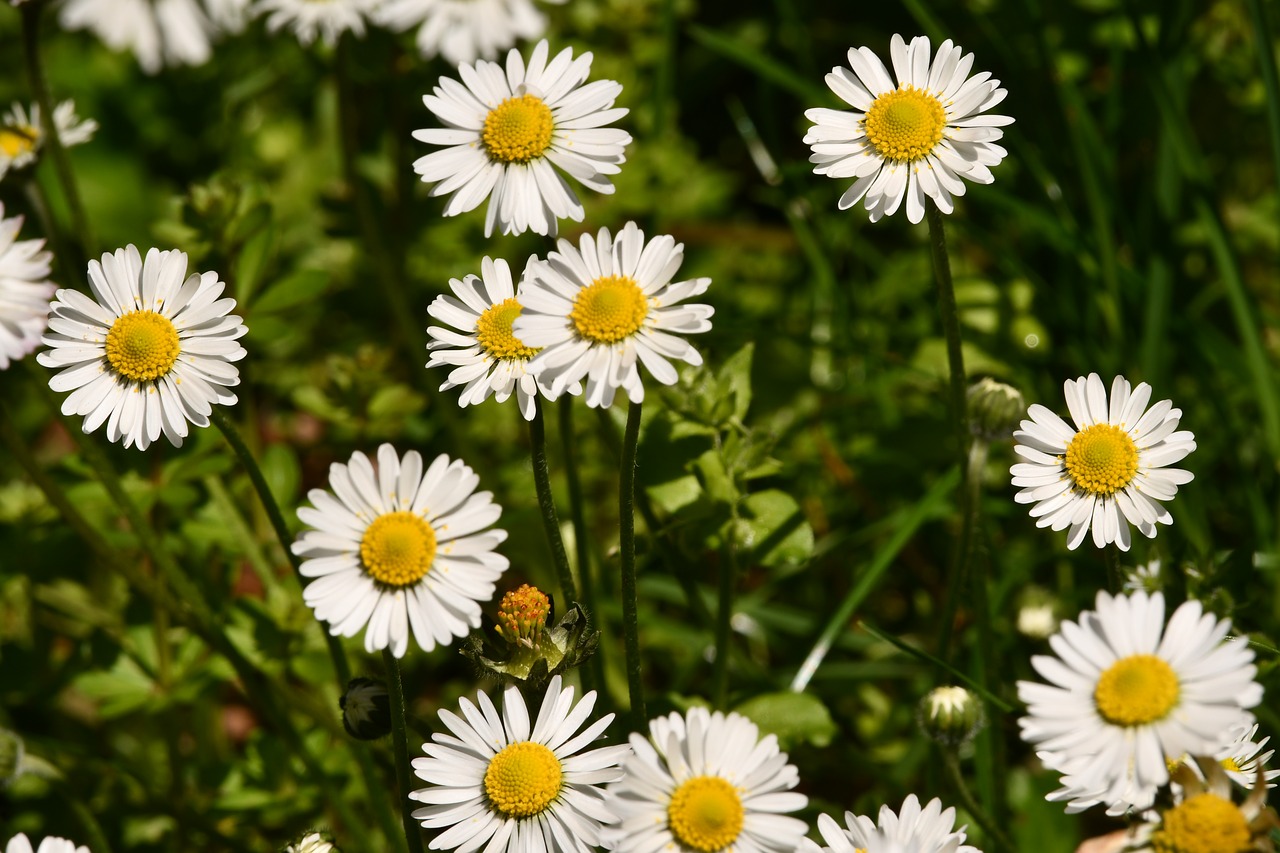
(17, 140)
(705, 813)
(398, 548)
(523, 779)
(609, 309)
(142, 346)
(1136, 690)
(523, 613)
(1102, 459)
(904, 125)
(1204, 823)
(518, 130)
(493, 332)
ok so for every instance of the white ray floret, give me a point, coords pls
(51, 844)
(312, 19)
(25, 291)
(158, 32)
(464, 30)
(22, 135)
(910, 830)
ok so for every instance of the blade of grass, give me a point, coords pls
(763, 66)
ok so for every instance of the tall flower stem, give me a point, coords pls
(594, 672)
(400, 736)
(1115, 575)
(971, 805)
(724, 615)
(627, 546)
(547, 504)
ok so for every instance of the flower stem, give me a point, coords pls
(724, 614)
(593, 674)
(547, 503)
(627, 545)
(970, 502)
(994, 834)
(399, 734)
(1115, 576)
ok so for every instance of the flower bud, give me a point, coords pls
(1037, 613)
(994, 409)
(366, 709)
(524, 648)
(950, 715)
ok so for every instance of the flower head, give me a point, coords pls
(910, 830)
(464, 30)
(159, 32)
(20, 844)
(328, 19)
(22, 135)
(1205, 817)
(25, 290)
(312, 842)
(950, 715)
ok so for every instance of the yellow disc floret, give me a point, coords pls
(904, 125)
(398, 548)
(1136, 690)
(523, 779)
(493, 332)
(15, 141)
(523, 613)
(518, 130)
(1102, 459)
(609, 309)
(705, 813)
(142, 346)
(1204, 823)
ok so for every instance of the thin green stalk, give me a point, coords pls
(970, 503)
(547, 503)
(906, 647)
(627, 546)
(1267, 65)
(400, 736)
(951, 330)
(97, 840)
(593, 674)
(993, 831)
(1115, 575)
(664, 80)
(724, 615)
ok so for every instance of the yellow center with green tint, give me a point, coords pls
(1102, 459)
(397, 549)
(705, 813)
(1204, 823)
(1230, 765)
(142, 346)
(904, 125)
(15, 141)
(493, 332)
(1136, 690)
(523, 779)
(518, 130)
(609, 309)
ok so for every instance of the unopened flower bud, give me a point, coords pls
(366, 709)
(312, 842)
(995, 409)
(950, 715)
(1037, 613)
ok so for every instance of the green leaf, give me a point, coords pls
(795, 718)
(123, 689)
(734, 380)
(776, 529)
(754, 59)
(252, 261)
(300, 287)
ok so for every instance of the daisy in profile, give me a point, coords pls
(1205, 816)
(158, 32)
(1110, 470)
(702, 783)
(1128, 693)
(927, 830)
(501, 784)
(151, 351)
(327, 19)
(22, 136)
(601, 310)
(923, 136)
(25, 291)
(508, 131)
(400, 550)
(464, 30)
(20, 844)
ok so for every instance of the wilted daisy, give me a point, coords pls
(159, 32)
(918, 138)
(911, 830)
(702, 783)
(328, 19)
(399, 549)
(497, 783)
(25, 290)
(601, 311)
(464, 30)
(1128, 693)
(1205, 817)
(22, 135)
(151, 351)
(1108, 472)
(507, 132)
(20, 844)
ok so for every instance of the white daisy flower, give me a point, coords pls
(911, 830)
(464, 30)
(507, 132)
(22, 136)
(1205, 818)
(1108, 472)
(312, 842)
(498, 783)
(159, 32)
(918, 138)
(1127, 693)
(601, 311)
(399, 549)
(25, 291)
(20, 844)
(1240, 758)
(328, 19)
(702, 783)
(154, 351)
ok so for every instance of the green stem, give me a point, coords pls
(593, 675)
(1267, 65)
(970, 503)
(92, 829)
(951, 330)
(994, 833)
(399, 734)
(627, 545)
(547, 503)
(1115, 575)
(724, 614)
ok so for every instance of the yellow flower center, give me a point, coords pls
(142, 346)
(523, 779)
(493, 332)
(16, 140)
(518, 130)
(397, 548)
(1136, 690)
(705, 813)
(904, 125)
(609, 309)
(523, 613)
(1231, 765)
(1205, 823)
(1102, 459)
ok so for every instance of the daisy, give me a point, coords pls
(912, 829)
(507, 131)
(600, 312)
(1108, 472)
(1128, 693)
(22, 136)
(400, 549)
(328, 19)
(916, 139)
(159, 32)
(498, 783)
(154, 351)
(20, 844)
(702, 783)
(25, 291)
(1205, 818)
(312, 842)
(464, 30)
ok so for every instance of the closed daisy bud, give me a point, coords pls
(994, 409)
(366, 709)
(950, 715)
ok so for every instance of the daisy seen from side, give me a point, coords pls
(312, 19)
(22, 135)
(911, 829)
(158, 32)
(25, 291)
(922, 137)
(1205, 817)
(464, 30)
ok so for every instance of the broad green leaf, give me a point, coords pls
(795, 718)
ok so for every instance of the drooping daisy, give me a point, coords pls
(399, 549)
(154, 351)
(601, 311)
(911, 830)
(328, 19)
(1108, 472)
(20, 844)
(497, 783)
(507, 131)
(464, 30)
(702, 783)
(1205, 817)
(924, 136)
(1128, 693)
(25, 291)
(22, 136)
(158, 32)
